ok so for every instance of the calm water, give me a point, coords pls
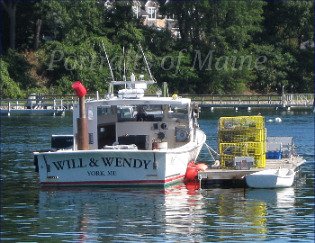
(177, 214)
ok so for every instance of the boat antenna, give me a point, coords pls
(146, 62)
(124, 64)
(110, 67)
(124, 77)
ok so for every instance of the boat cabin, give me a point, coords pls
(142, 123)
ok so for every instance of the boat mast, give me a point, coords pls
(110, 67)
(124, 77)
(146, 63)
(111, 89)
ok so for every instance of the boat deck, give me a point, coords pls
(235, 178)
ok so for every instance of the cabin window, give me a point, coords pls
(140, 113)
(90, 114)
(125, 113)
(179, 112)
(104, 110)
(149, 113)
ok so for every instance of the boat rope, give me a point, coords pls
(211, 152)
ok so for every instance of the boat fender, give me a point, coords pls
(191, 172)
(201, 167)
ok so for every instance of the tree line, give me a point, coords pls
(223, 47)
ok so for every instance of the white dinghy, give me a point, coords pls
(271, 178)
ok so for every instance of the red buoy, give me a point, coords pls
(191, 172)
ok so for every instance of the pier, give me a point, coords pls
(211, 102)
(41, 103)
(285, 101)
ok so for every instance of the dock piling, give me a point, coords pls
(9, 108)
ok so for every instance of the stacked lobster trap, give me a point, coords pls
(242, 142)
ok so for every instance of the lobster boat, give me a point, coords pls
(124, 139)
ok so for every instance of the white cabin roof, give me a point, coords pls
(147, 100)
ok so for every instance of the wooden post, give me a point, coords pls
(83, 142)
(82, 123)
(165, 89)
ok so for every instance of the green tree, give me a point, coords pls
(8, 88)
(19, 69)
(274, 73)
(86, 61)
(72, 21)
(218, 30)
(288, 26)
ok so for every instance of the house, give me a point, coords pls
(148, 13)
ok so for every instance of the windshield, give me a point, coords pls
(179, 112)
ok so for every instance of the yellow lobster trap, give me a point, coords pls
(242, 136)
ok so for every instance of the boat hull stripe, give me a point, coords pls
(130, 182)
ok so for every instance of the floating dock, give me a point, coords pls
(244, 149)
(236, 178)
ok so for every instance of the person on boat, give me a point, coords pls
(141, 116)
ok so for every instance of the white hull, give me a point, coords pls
(117, 167)
(272, 178)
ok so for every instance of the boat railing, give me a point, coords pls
(285, 100)
(36, 104)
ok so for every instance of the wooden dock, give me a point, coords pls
(285, 101)
(33, 107)
(211, 102)
(236, 178)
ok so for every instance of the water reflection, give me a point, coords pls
(281, 198)
(234, 217)
(177, 214)
(118, 214)
(274, 209)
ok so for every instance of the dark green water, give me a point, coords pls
(176, 214)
